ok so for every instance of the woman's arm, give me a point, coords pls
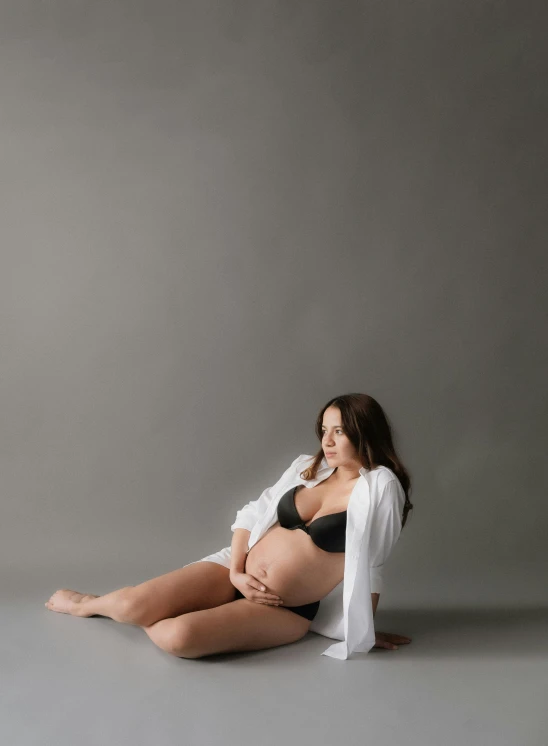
(385, 534)
(238, 550)
(385, 530)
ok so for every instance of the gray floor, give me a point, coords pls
(468, 677)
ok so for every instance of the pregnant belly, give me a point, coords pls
(290, 564)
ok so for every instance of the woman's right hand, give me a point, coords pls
(253, 589)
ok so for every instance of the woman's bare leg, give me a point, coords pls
(66, 601)
(200, 585)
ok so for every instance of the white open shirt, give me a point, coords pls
(373, 526)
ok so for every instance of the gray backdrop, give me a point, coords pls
(217, 216)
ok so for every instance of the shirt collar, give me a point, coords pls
(324, 466)
(324, 471)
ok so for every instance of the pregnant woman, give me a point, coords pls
(306, 555)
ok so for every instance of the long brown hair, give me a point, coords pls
(369, 430)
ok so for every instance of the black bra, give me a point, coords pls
(328, 531)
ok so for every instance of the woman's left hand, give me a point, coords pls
(390, 641)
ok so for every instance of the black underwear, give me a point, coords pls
(309, 611)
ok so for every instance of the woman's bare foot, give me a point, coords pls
(69, 602)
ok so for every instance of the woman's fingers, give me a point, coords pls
(260, 587)
(271, 596)
(393, 637)
(390, 641)
(383, 642)
(263, 599)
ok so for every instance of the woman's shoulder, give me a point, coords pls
(383, 476)
(388, 485)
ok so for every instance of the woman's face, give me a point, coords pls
(337, 448)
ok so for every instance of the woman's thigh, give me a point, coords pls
(200, 585)
(235, 626)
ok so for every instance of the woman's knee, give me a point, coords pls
(179, 636)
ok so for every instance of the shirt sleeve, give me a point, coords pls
(247, 516)
(385, 530)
